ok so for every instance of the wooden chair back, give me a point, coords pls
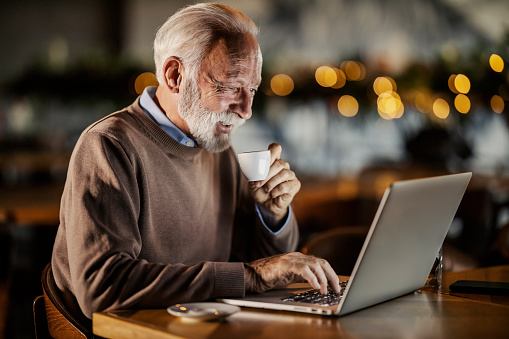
(40, 320)
(339, 246)
(61, 321)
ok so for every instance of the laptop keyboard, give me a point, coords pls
(317, 298)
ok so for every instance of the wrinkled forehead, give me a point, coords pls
(234, 55)
(239, 46)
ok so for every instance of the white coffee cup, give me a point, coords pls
(255, 165)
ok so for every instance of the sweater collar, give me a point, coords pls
(160, 136)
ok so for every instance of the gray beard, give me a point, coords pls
(202, 121)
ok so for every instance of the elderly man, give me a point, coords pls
(155, 210)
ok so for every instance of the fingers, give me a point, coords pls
(318, 272)
(275, 152)
(283, 182)
(332, 277)
(276, 170)
(280, 180)
(276, 164)
(321, 274)
(322, 278)
(276, 192)
(279, 271)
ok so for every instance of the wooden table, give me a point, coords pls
(496, 273)
(421, 314)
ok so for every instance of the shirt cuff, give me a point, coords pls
(288, 215)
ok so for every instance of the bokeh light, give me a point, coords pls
(441, 108)
(348, 106)
(422, 100)
(281, 84)
(450, 82)
(496, 63)
(341, 78)
(390, 105)
(462, 83)
(383, 84)
(326, 76)
(354, 70)
(144, 80)
(462, 103)
(497, 104)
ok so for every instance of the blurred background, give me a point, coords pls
(359, 93)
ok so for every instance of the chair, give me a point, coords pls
(40, 320)
(56, 320)
(339, 246)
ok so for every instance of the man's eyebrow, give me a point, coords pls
(230, 74)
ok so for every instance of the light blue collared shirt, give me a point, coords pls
(154, 112)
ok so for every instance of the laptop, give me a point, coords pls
(407, 232)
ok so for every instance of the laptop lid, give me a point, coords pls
(407, 232)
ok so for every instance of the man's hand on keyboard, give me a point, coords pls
(281, 270)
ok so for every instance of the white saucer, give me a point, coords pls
(202, 311)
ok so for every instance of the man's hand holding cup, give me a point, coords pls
(275, 193)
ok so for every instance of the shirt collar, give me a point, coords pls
(155, 113)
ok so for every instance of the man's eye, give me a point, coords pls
(222, 89)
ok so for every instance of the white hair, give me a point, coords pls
(190, 33)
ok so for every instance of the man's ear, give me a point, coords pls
(173, 71)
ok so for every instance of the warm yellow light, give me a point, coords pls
(450, 82)
(348, 106)
(281, 84)
(383, 181)
(382, 84)
(144, 80)
(390, 106)
(400, 110)
(462, 83)
(496, 63)
(347, 189)
(497, 104)
(326, 76)
(394, 86)
(423, 102)
(441, 108)
(354, 70)
(462, 103)
(384, 115)
(341, 78)
(362, 68)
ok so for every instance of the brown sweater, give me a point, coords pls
(148, 222)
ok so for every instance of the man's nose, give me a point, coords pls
(242, 105)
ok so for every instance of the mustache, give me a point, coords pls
(228, 117)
